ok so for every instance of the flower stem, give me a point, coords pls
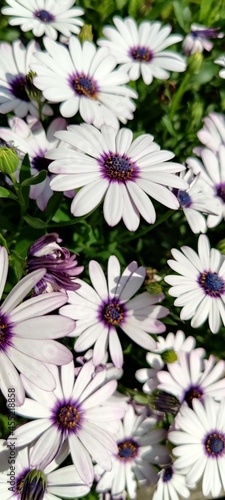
(150, 227)
(19, 194)
(178, 96)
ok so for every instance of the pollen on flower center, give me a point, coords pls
(127, 450)
(84, 85)
(68, 417)
(44, 16)
(118, 167)
(184, 199)
(142, 54)
(215, 444)
(113, 313)
(193, 392)
(167, 474)
(212, 284)
(18, 88)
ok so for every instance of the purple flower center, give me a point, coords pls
(142, 54)
(84, 85)
(118, 167)
(184, 198)
(215, 444)
(5, 332)
(68, 417)
(40, 162)
(44, 16)
(127, 450)
(211, 283)
(167, 474)
(18, 88)
(193, 392)
(113, 313)
(20, 481)
(220, 191)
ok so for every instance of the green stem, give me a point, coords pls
(149, 228)
(19, 194)
(178, 96)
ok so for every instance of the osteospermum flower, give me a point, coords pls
(212, 134)
(61, 267)
(166, 350)
(221, 61)
(30, 137)
(139, 447)
(83, 78)
(193, 377)
(76, 412)
(200, 288)
(194, 202)
(200, 444)
(172, 484)
(35, 482)
(211, 180)
(140, 49)
(110, 165)
(26, 334)
(15, 63)
(101, 310)
(46, 17)
(198, 39)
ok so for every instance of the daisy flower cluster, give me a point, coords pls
(112, 250)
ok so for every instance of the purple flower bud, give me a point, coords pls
(61, 267)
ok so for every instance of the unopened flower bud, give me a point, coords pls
(9, 160)
(195, 62)
(86, 33)
(169, 356)
(32, 91)
(34, 486)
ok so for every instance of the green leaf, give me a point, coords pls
(205, 9)
(5, 193)
(34, 222)
(36, 179)
(25, 172)
(53, 205)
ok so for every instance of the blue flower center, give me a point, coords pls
(215, 444)
(220, 191)
(18, 88)
(68, 417)
(40, 162)
(127, 450)
(142, 54)
(167, 474)
(113, 313)
(118, 167)
(44, 16)
(184, 198)
(212, 284)
(191, 393)
(84, 86)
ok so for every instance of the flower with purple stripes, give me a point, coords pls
(200, 288)
(110, 165)
(27, 333)
(105, 311)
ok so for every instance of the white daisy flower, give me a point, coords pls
(83, 78)
(172, 484)
(172, 344)
(194, 202)
(45, 17)
(200, 288)
(198, 39)
(27, 332)
(200, 444)
(76, 411)
(192, 377)
(221, 61)
(35, 482)
(109, 164)
(139, 447)
(212, 134)
(101, 310)
(140, 49)
(211, 173)
(30, 138)
(15, 63)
